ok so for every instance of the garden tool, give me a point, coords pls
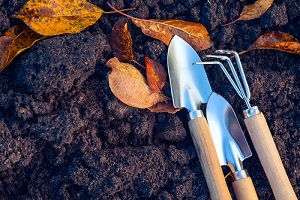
(231, 144)
(190, 91)
(260, 133)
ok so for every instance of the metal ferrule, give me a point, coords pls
(238, 175)
(195, 114)
(251, 112)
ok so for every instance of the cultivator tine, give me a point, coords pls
(225, 72)
(244, 91)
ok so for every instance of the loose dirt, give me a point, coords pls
(65, 136)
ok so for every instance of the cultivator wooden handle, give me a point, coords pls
(208, 159)
(269, 157)
(244, 189)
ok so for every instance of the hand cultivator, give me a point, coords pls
(218, 138)
(259, 132)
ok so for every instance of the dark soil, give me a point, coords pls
(65, 136)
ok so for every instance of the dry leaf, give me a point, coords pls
(163, 30)
(14, 31)
(278, 41)
(4, 46)
(253, 11)
(166, 106)
(156, 75)
(23, 41)
(55, 17)
(130, 86)
(121, 42)
(15, 41)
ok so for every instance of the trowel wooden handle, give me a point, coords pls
(208, 159)
(244, 189)
(269, 157)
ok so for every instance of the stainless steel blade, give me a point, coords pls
(230, 142)
(189, 84)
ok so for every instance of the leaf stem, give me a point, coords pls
(242, 52)
(136, 62)
(231, 22)
(118, 11)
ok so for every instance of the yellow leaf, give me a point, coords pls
(23, 41)
(55, 17)
(130, 86)
(15, 41)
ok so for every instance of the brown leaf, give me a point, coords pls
(15, 41)
(4, 46)
(5, 43)
(121, 42)
(278, 41)
(253, 11)
(166, 106)
(163, 30)
(55, 17)
(14, 31)
(130, 86)
(156, 75)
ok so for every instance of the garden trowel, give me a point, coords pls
(190, 88)
(231, 145)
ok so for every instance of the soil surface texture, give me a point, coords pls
(64, 135)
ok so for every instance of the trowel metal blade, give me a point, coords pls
(230, 142)
(189, 83)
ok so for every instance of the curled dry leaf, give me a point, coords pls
(121, 42)
(14, 41)
(253, 11)
(194, 33)
(130, 86)
(278, 41)
(166, 106)
(156, 75)
(55, 17)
